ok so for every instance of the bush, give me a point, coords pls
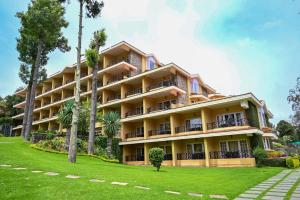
(292, 162)
(274, 162)
(275, 154)
(50, 135)
(81, 145)
(259, 154)
(101, 142)
(156, 156)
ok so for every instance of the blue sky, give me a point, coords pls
(236, 46)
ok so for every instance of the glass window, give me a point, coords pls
(189, 148)
(198, 148)
(233, 145)
(223, 146)
(195, 86)
(194, 148)
(243, 145)
(150, 63)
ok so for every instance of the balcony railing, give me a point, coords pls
(57, 85)
(116, 61)
(230, 154)
(183, 129)
(168, 156)
(134, 92)
(117, 78)
(227, 123)
(160, 107)
(161, 84)
(47, 90)
(134, 134)
(133, 113)
(56, 100)
(69, 81)
(115, 97)
(158, 132)
(134, 158)
(83, 74)
(46, 103)
(191, 156)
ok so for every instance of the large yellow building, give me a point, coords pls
(161, 105)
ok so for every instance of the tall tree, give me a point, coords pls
(285, 128)
(92, 59)
(93, 9)
(41, 28)
(294, 99)
(111, 127)
(26, 76)
(64, 117)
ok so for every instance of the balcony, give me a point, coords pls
(47, 90)
(230, 154)
(134, 134)
(158, 132)
(134, 158)
(184, 129)
(117, 78)
(114, 98)
(57, 85)
(134, 92)
(161, 85)
(227, 123)
(56, 100)
(191, 156)
(134, 113)
(69, 81)
(162, 106)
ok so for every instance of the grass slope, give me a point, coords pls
(26, 185)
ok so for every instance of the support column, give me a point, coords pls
(146, 154)
(206, 149)
(172, 123)
(203, 119)
(174, 154)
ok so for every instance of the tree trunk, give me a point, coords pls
(75, 117)
(33, 88)
(109, 146)
(93, 105)
(67, 141)
(25, 117)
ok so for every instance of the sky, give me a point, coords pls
(236, 46)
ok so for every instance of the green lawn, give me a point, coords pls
(27, 185)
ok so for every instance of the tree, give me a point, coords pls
(285, 128)
(294, 99)
(111, 126)
(92, 60)
(64, 117)
(41, 28)
(26, 76)
(93, 9)
(156, 156)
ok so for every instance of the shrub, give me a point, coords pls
(156, 156)
(274, 162)
(275, 154)
(101, 142)
(81, 145)
(259, 155)
(292, 162)
(50, 135)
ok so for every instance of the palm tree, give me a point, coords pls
(111, 126)
(92, 57)
(64, 117)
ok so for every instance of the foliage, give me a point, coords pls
(84, 117)
(275, 154)
(101, 145)
(64, 115)
(285, 128)
(25, 73)
(156, 156)
(99, 39)
(259, 155)
(294, 96)
(292, 162)
(91, 56)
(111, 123)
(256, 141)
(252, 115)
(274, 162)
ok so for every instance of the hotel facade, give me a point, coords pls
(161, 105)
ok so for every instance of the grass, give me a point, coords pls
(26, 185)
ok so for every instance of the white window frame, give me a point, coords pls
(239, 144)
(234, 113)
(193, 148)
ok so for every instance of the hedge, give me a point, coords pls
(274, 162)
(292, 162)
(79, 154)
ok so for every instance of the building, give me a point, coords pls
(161, 105)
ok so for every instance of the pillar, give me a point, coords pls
(204, 120)
(206, 149)
(146, 154)
(174, 154)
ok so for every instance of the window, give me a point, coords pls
(194, 148)
(139, 110)
(166, 104)
(194, 86)
(233, 146)
(150, 63)
(167, 149)
(140, 131)
(204, 92)
(165, 127)
(193, 124)
(230, 119)
(262, 117)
